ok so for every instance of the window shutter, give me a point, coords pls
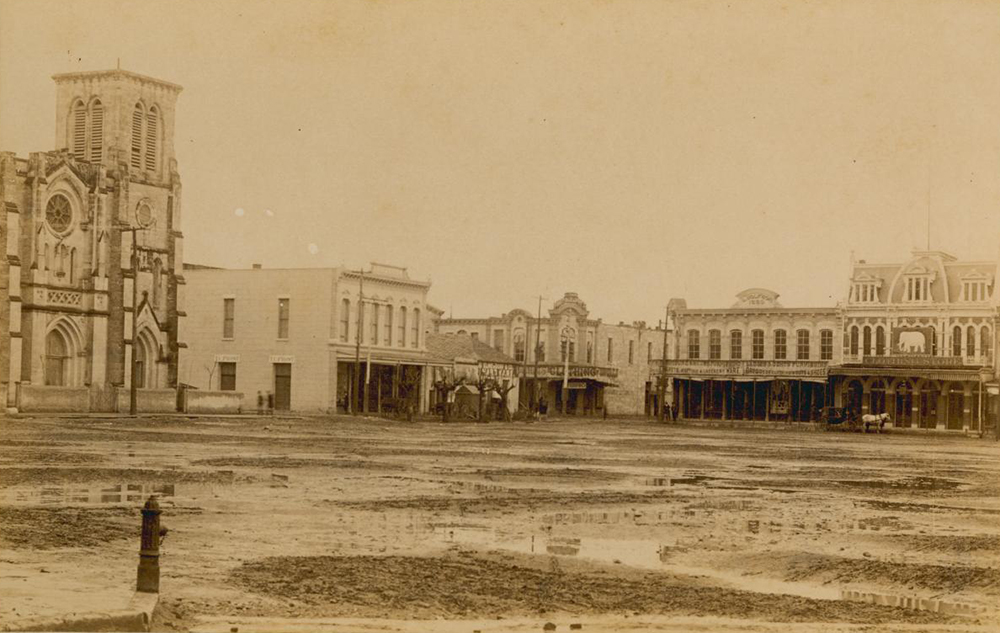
(152, 120)
(96, 132)
(137, 138)
(80, 132)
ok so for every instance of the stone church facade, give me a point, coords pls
(73, 219)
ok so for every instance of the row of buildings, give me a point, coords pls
(94, 284)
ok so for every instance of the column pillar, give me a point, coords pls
(942, 410)
(967, 407)
(767, 401)
(866, 398)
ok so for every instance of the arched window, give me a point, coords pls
(854, 340)
(416, 328)
(867, 341)
(79, 131)
(402, 327)
(376, 309)
(694, 344)
(715, 344)
(388, 326)
(780, 345)
(96, 131)
(802, 345)
(47, 257)
(519, 347)
(970, 341)
(956, 341)
(736, 345)
(56, 359)
(152, 128)
(984, 342)
(136, 156)
(880, 341)
(826, 344)
(757, 344)
(72, 265)
(345, 319)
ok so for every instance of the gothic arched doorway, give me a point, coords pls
(56, 359)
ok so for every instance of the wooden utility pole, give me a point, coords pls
(663, 367)
(357, 348)
(538, 339)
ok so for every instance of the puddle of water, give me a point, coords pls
(691, 480)
(121, 494)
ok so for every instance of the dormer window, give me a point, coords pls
(865, 288)
(975, 287)
(918, 285)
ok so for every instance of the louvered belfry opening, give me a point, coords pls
(96, 131)
(79, 131)
(136, 161)
(152, 122)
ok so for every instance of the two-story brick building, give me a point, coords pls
(755, 360)
(321, 339)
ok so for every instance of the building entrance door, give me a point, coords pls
(282, 386)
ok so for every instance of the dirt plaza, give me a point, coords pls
(598, 524)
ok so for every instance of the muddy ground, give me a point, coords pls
(349, 518)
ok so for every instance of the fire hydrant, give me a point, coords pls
(148, 577)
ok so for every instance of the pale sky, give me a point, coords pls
(629, 151)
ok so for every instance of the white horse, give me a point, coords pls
(874, 421)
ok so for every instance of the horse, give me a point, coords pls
(874, 421)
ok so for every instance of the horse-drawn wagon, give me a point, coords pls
(844, 419)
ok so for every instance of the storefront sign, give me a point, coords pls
(577, 371)
(497, 371)
(912, 340)
(576, 384)
(227, 358)
(913, 360)
(281, 359)
(723, 368)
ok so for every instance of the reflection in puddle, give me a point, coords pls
(85, 495)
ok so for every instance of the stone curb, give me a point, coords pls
(137, 616)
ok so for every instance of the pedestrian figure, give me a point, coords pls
(260, 402)
(270, 403)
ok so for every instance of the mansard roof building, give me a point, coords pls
(919, 340)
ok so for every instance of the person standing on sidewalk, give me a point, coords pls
(260, 402)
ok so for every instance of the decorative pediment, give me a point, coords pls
(570, 302)
(977, 275)
(919, 270)
(867, 278)
(757, 298)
